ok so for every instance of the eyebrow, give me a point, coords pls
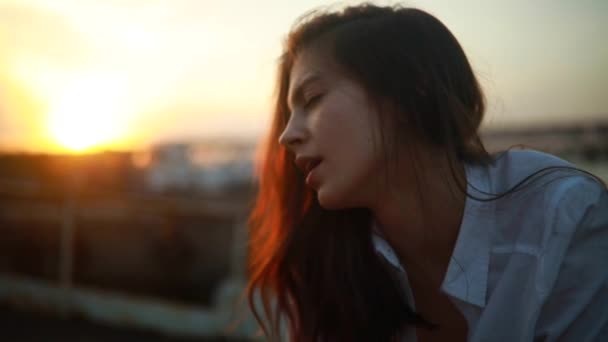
(297, 94)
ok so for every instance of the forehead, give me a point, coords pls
(311, 62)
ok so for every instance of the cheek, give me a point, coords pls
(347, 136)
(347, 185)
(349, 176)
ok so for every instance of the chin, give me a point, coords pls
(330, 201)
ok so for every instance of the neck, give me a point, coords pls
(421, 219)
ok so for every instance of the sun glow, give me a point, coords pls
(88, 114)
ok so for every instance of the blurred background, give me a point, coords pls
(128, 130)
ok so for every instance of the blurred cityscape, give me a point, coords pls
(151, 245)
(157, 226)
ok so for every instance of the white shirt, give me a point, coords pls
(532, 266)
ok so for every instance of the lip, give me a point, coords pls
(307, 163)
(312, 177)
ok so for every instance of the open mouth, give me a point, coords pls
(312, 164)
(307, 163)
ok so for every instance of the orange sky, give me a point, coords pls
(88, 74)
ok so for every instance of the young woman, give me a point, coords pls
(381, 217)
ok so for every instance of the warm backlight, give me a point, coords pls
(87, 115)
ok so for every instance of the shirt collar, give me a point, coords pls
(466, 277)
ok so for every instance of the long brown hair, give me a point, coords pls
(317, 269)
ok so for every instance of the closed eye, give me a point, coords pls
(312, 101)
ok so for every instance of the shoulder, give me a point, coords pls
(575, 199)
(541, 181)
(573, 274)
(574, 217)
(545, 197)
(513, 166)
(528, 157)
(533, 181)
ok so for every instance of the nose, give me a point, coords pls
(294, 134)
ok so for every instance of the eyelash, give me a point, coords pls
(312, 101)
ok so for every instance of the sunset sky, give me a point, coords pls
(90, 74)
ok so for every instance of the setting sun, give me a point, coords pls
(88, 114)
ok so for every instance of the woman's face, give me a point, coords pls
(332, 119)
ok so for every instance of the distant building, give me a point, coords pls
(208, 167)
(582, 141)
